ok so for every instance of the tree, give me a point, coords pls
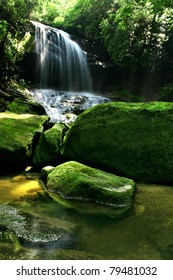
(86, 17)
(136, 33)
(53, 12)
(14, 16)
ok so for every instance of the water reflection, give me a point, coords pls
(145, 233)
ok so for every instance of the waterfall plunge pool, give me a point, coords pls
(145, 233)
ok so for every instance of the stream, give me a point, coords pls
(62, 75)
(33, 226)
(84, 231)
(64, 106)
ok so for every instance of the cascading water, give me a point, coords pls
(62, 64)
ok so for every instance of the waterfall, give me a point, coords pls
(62, 74)
(61, 63)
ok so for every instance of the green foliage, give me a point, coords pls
(86, 16)
(14, 16)
(166, 92)
(136, 33)
(53, 12)
(3, 29)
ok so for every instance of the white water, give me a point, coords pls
(61, 62)
(64, 106)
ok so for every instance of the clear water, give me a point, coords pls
(91, 232)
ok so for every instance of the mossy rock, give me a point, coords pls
(25, 107)
(128, 139)
(47, 149)
(18, 136)
(78, 182)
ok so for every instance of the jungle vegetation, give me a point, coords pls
(137, 34)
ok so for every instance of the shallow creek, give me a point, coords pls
(86, 232)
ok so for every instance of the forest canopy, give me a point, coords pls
(138, 34)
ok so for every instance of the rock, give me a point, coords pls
(129, 139)
(75, 181)
(46, 171)
(26, 107)
(47, 149)
(18, 136)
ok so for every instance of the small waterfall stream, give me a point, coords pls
(62, 74)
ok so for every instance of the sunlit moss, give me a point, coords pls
(128, 139)
(18, 133)
(78, 182)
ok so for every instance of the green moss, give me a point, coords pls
(18, 133)
(75, 181)
(47, 149)
(130, 139)
(25, 107)
(17, 107)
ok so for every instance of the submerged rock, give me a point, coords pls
(129, 139)
(75, 181)
(23, 228)
(18, 136)
(17, 188)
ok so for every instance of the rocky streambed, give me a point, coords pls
(33, 226)
(88, 189)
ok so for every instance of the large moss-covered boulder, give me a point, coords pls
(134, 140)
(47, 149)
(18, 136)
(75, 181)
